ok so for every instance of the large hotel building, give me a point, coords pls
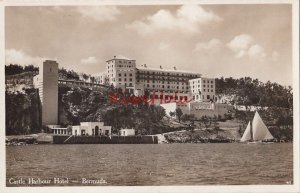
(162, 84)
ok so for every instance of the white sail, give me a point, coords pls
(247, 134)
(260, 130)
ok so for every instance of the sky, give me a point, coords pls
(214, 40)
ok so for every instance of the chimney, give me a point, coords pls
(175, 68)
(145, 65)
(160, 67)
(114, 57)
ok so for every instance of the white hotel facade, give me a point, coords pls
(162, 84)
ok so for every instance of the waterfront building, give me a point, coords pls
(127, 132)
(199, 109)
(91, 129)
(47, 84)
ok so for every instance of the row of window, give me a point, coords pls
(167, 73)
(130, 84)
(120, 61)
(204, 81)
(203, 96)
(169, 97)
(212, 86)
(120, 75)
(163, 86)
(204, 90)
(161, 77)
(163, 82)
(125, 79)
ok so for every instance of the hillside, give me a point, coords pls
(252, 92)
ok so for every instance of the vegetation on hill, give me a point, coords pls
(14, 69)
(252, 92)
(83, 104)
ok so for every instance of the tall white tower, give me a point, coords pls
(47, 83)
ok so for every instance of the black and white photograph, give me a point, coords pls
(162, 96)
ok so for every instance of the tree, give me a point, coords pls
(172, 114)
(178, 113)
(205, 120)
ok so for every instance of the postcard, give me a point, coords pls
(150, 96)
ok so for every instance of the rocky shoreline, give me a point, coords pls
(203, 136)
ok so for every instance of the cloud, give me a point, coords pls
(244, 45)
(89, 60)
(256, 51)
(240, 43)
(99, 13)
(187, 19)
(163, 46)
(212, 45)
(13, 56)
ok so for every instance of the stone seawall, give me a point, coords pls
(66, 139)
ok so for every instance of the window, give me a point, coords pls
(147, 85)
(163, 86)
(203, 81)
(130, 74)
(120, 79)
(153, 85)
(125, 74)
(212, 81)
(204, 90)
(130, 79)
(208, 97)
(212, 86)
(168, 87)
(203, 85)
(120, 74)
(125, 79)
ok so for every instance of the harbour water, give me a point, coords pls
(149, 164)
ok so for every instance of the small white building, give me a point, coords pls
(199, 109)
(92, 129)
(127, 132)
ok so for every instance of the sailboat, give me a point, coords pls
(257, 131)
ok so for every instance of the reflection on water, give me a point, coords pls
(163, 164)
